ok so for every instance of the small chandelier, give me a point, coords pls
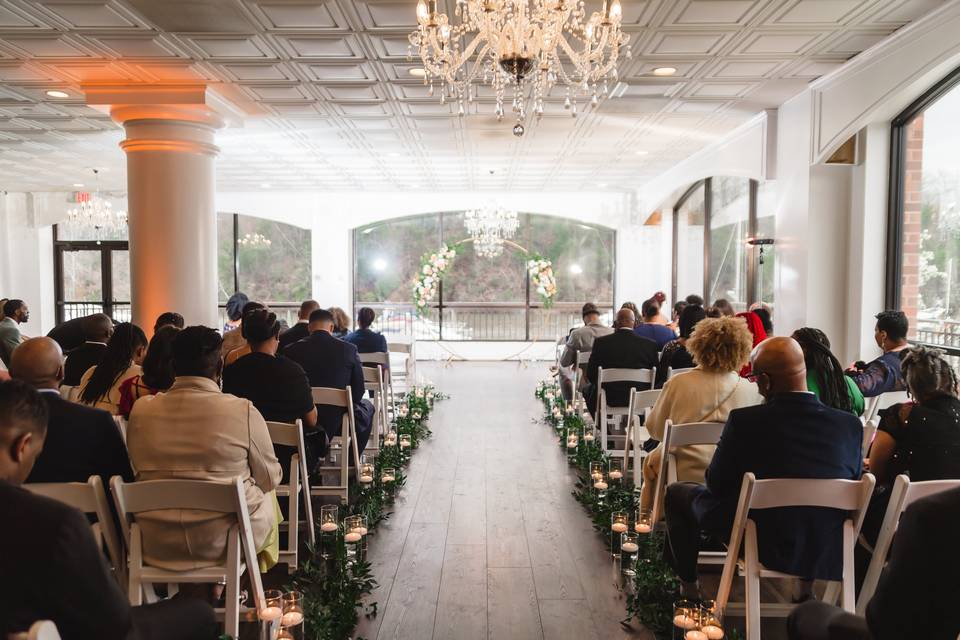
(489, 228)
(529, 45)
(254, 240)
(97, 212)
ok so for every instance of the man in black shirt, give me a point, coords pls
(71, 586)
(277, 386)
(97, 330)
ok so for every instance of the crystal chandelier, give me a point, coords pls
(489, 228)
(97, 212)
(529, 45)
(254, 240)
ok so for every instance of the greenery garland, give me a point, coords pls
(654, 587)
(333, 588)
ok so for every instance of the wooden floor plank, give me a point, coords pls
(412, 606)
(512, 608)
(462, 606)
(567, 620)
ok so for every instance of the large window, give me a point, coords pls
(715, 225)
(481, 298)
(92, 273)
(923, 277)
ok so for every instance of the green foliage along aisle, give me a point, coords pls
(334, 588)
(654, 587)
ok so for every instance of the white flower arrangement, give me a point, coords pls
(432, 268)
(543, 279)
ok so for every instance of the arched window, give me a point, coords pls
(482, 298)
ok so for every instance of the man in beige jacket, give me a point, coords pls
(193, 431)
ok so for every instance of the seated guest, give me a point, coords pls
(365, 339)
(71, 334)
(157, 368)
(195, 432)
(15, 313)
(724, 307)
(81, 442)
(709, 393)
(71, 586)
(883, 374)
(333, 363)
(100, 385)
(635, 310)
(97, 328)
(580, 340)
(825, 377)
(277, 386)
(756, 330)
(651, 327)
(678, 308)
(792, 435)
(235, 342)
(299, 331)
(713, 312)
(694, 299)
(919, 438)
(675, 354)
(341, 322)
(622, 349)
(916, 591)
(660, 297)
(234, 312)
(168, 319)
(762, 309)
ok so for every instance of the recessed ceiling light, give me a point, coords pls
(53, 93)
(77, 185)
(418, 72)
(664, 71)
(264, 185)
(642, 152)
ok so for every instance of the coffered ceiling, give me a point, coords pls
(330, 103)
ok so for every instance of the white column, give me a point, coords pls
(172, 214)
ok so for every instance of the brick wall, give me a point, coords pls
(912, 205)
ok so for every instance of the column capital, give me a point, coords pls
(186, 103)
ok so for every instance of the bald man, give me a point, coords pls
(791, 435)
(622, 349)
(81, 441)
(97, 330)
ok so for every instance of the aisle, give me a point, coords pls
(486, 540)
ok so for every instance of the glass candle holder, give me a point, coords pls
(388, 480)
(292, 620)
(405, 441)
(588, 434)
(711, 620)
(685, 615)
(390, 439)
(352, 536)
(644, 521)
(629, 552)
(618, 525)
(596, 471)
(615, 470)
(270, 614)
(366, 474)
(329, 528)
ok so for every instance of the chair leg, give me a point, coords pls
(752, 579)
(231, 615)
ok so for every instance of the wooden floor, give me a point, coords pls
(485, 540)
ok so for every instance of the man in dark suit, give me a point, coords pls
(792, 435)
(71, 586)
(622, 349)
(300, 330)
(330, 362)
(917, 589)
(81, 441)
(70, 334)
(97, 330)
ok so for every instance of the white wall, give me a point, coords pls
(26, 259)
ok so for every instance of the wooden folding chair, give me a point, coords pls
(324, 396)
(39, 630)
(297, 486)
(852, 496)
(903, 494)
(641, 402)
(869, 432)
(579, 373)
(607, 416)
(382, 360)
(408, 375)
(121, 427)
(676, 372)
(882, 401)
(227, 498)
(90, 497)
(374, 384)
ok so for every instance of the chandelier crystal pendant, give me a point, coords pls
(96, 212)
(254, 240)
(489, 228)
(528, 45)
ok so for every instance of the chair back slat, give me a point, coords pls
(642, 376)
(399, 347)
(681, 435)
(371, 375)
(671, 372)
(583, 357)
(882, 401)
(284, 433)
(155, 495)
(376, 357)
(869, 432)
(641, 400)
(332, 397)
(807, 492)
(78, 495)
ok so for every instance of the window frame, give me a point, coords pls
(106, 249)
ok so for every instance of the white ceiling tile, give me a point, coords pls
(334, 47)
(687, 43)
(745, 68)
(227, 47)
(714, 12)
(820, 12)
(135, 46)
(90, 15)
(852, 43)
(780, 43)
(283, 14)
(46, 46)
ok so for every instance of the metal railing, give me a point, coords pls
(119, 311)
(943, 335)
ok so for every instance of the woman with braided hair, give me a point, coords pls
(100, 385)
(919, 438)
(825, 377)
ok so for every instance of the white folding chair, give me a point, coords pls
(382, 360)
(641, 403)
(852, 496)
(676, 372)
(882, 401)
(226, 498)
(869, 432)
(121, 427)
(374, 384)
(298, 484)
(39, 630)
(903, 494)
(324, 396)
(90, 497)
(675, 436)
(579, 372)
(607, 416)
(407, 375)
